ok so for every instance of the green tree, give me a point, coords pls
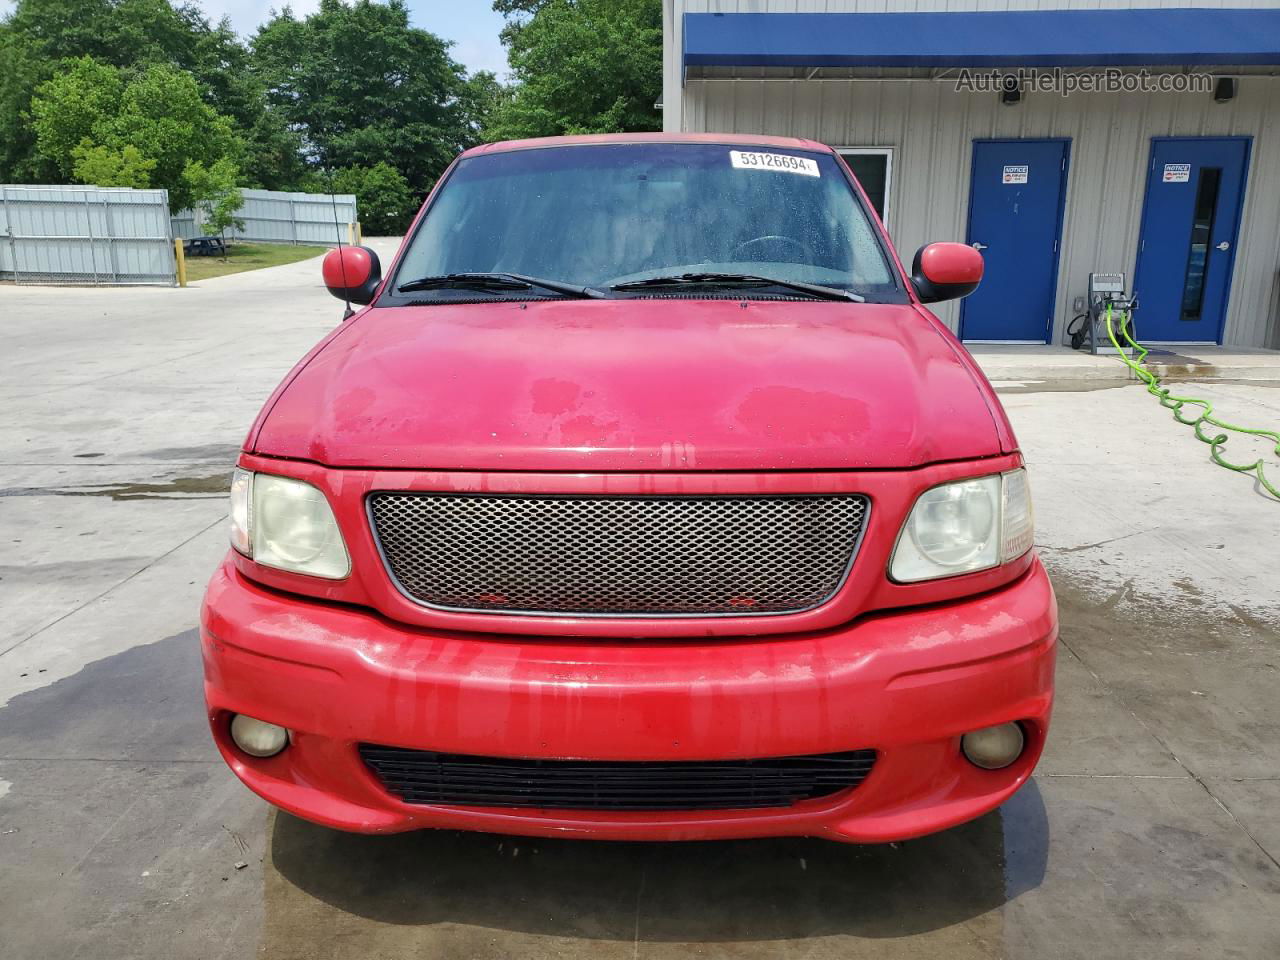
(480, 99)
(383, 199)
(364, 87)
(580, 66)
(215, 194)
(517, 13)
(134, 35)
(159, 113)
(108, 167)
(162, 114)
(223, 67)
(39, 34)
(69, 106)
(272, 157)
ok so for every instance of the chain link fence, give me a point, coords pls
(85, 235)
(276, 216)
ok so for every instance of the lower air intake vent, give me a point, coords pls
(422, 776)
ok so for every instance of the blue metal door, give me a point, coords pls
(1015, 219)
(1187, 248)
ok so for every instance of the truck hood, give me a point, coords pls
(634, 385)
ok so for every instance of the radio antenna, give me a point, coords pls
(337, 230)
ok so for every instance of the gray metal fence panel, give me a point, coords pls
(277, 216)
(184, 225)
(89, 235)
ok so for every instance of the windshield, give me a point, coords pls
(603, 215)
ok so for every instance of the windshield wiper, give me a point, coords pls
(738, 280)
(498, 282)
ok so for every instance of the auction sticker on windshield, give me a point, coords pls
(783, 162)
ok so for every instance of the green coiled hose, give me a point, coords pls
(1206, 416)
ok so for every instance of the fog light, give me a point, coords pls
(993, 747)
(257, 737)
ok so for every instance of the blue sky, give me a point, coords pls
(470, 24)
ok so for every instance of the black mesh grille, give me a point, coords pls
(421, 776)
(692, 556)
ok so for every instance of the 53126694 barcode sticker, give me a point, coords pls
(782, 162)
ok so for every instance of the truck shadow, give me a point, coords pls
(700, 892)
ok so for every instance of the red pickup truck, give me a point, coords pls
(643, 499)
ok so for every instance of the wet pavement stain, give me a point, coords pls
(1058, 386)
(1013, 386)
(145, 702)
(208, 487)
(119, 833)
(222, 452)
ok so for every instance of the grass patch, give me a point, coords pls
(248, 256)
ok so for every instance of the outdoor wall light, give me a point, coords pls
(1010, 90)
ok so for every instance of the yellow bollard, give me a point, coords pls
(351, 234)
(359, 233)
(180, 258)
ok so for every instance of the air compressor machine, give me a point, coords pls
(1105, 290)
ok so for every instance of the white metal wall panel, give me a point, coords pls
(183, 224)
(91, 235)
(931, 128)
(277, 216)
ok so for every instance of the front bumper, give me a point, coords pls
(907, 683)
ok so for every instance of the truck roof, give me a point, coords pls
(734, 139)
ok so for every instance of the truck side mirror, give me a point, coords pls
(946, 271)
(352, 273)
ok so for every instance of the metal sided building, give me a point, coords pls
(1060, 138)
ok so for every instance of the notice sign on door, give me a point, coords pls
(1016, 173)
(1177, 173)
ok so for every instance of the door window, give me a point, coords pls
(1201, 234)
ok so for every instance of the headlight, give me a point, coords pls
(287, 524)
(965, 526)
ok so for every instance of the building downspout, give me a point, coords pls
(673, 66)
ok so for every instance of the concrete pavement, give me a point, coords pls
(1051, 365)
(1150, 831)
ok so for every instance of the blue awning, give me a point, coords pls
(1026, 38)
